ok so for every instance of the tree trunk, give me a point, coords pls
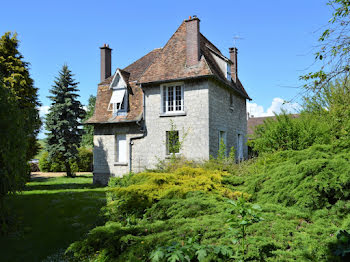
(68, 170)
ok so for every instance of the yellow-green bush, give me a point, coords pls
(143, 189)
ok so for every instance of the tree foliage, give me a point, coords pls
(334, 50)
(287, 132)
(63, 119)
(88, 136)
(16, 78)
(13, 167)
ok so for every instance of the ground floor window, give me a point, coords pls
(239, 146)
(172, 142)
(222, 137)
(120, 148)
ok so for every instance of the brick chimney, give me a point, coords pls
(106, 62)
(192, 41)
(233, 57)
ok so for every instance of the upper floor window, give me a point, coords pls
(228, 71)
(118, 101)
(172, 98)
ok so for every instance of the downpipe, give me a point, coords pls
(131, 142)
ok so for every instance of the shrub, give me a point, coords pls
(313, 178)
(136, 193)
(82, 164)
(85, 159)
(289, 133)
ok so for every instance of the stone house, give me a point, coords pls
(189, 83)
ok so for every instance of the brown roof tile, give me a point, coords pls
(171, 63)
(162, 64)
(130, 74)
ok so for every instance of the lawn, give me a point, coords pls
(50, 214)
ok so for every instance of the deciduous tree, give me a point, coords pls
(334, 49)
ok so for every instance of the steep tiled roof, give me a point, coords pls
(171, 63)
(130, 74)
(162, 64)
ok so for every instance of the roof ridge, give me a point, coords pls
(206, 39)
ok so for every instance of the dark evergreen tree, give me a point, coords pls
(13, 144)
(63, 120)
(88, 137)
(16, 78)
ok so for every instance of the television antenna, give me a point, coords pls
(235, 38)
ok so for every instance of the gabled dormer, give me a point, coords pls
(120, 93)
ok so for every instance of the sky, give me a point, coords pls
(277, 40)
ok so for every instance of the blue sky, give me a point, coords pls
(279, 39)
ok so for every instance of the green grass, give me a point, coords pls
(41, 150)
(50, 214)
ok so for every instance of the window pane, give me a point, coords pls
(121, 148)
(173, 145)
(178, 98)
(164, 99)
(170, 98)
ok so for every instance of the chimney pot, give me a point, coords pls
(106, 62)
(192, 41)
(234, 67)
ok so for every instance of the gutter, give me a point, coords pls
(131, 142)
(236, 90)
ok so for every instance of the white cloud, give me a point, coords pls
(277, 105)
(43, 110)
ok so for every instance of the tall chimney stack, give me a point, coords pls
(192, 41)
(233, 57)
(106, 62)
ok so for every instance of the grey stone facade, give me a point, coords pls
(208, 110)
(228, 117)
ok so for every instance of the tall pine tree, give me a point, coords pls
(16, 78)
(63, 119)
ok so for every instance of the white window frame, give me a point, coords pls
(228, 71)
(116, 148)
(165, 94)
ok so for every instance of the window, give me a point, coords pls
(231, 100)
(222, 136)
(172, 142)
(228, 71)
(240, 146)
(120, 148)
(172, 98)
(119, 99)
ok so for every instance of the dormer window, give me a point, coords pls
(117, 102)
(119, 99)
(228, 71)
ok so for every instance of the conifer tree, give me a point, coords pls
(63, 120)
(16, 78)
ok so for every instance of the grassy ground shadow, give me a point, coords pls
(51, 213)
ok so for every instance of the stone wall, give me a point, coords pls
(207, 111)
(227, 117)
(104, 150)
(194, 125)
